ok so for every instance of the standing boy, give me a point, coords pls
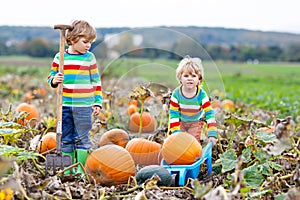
(82, 92)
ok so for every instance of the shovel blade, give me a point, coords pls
(56, 162)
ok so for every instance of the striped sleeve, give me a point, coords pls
(209, 115)
(53, 70)
(174, 114)
(96, 82)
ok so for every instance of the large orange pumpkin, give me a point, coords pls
(144, 152)
(181, 148)
(29, 108)
(149, 123)
(114, 136)
(110, 165)
(47, 142)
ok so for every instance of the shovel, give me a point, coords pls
(58, 161)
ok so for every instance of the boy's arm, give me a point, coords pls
(210, 116)
(96, 82)
(174, 115)
(53, 72)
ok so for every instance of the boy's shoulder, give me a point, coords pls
(176, 89)
(88, 54)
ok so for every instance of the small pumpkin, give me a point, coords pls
(149, 123)
(110, 165)
(30, 109)
(114, 136)
(144, 152)
(181, 148)
(41, 91)
(132, 108)
(148, 171)
(216, 103)
(134, 102)
(228, 105)
(47, 142)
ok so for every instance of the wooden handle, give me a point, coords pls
(63, 29)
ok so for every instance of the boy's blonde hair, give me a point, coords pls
(190, 65)
(80, 29)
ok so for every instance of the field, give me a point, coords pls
(268, 86)
(246, 163)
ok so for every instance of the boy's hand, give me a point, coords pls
(213, 140)
(58, 78)
(96, 110)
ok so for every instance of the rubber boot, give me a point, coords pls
(72, 154)
(81, 156)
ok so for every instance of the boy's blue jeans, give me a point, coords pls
(76, 124)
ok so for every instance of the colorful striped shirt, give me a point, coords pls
(82, 83)
(193, 109)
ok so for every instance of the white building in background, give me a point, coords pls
(137, 39)
(112, 40)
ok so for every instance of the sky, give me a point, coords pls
(263, 15)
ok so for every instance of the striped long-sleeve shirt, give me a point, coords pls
(184, 109)
(82, 83)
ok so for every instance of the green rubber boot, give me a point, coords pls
(81, 156)
(72, 154)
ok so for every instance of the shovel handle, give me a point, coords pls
(63, 29)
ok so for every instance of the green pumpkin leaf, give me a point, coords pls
(266, 170)
(247, 155)
(10, 125)
(10, 131)
(262, 156)
(275, 166)
(265, 137)
(228, 160)
(253, 176)
(17, 153)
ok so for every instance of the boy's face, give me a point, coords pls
(81, 46)
(189, 79)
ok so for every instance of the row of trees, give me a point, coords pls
(39, 47)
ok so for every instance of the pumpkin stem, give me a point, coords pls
(141, 117)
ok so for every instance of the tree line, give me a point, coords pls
(39, 47)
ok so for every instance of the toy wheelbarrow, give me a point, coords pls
(184, 172)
